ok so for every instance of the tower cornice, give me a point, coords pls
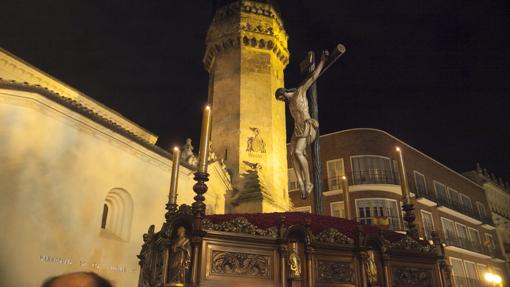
(249, 24)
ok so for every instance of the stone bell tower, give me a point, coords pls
(246, 53)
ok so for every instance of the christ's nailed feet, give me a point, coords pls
(307, 192)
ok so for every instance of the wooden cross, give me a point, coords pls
(307, 66)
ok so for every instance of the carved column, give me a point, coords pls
(283, 264)
(386, 270)
(361, 270)
(195, 270)
(198, 209)
(309, 251)
(442, 265)
(385, 258)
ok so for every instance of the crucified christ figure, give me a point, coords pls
(305, 127)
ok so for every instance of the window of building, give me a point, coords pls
(335, 169)
(481, 269)
(489, 243)
(105, 216)
(474, 239)
(376, 210)
(454, 198)
(428, 224)
(462, 236)
(449, 231)
(307, 209)
(291, 174)
(466, 204)
(499, 271)
(459, 274)
(482, 212)
(441, 194)
(117, 214)
(370, 169)
(472, 276)
(337, 209)
(420, 184)
(396, 172)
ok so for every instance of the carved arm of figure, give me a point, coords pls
(308, 82)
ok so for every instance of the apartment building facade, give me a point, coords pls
(445, 201)
(498, 196)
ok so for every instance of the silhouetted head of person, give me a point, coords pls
(78, 279)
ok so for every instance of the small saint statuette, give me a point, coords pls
(371, 267)
(179, 259)
(294, 262)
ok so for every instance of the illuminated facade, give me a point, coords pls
(446, 202)
(498, 195)
(246, 53)
(79, 183)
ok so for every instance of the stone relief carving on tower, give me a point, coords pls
(255, 143)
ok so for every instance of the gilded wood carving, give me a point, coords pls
(241, 264)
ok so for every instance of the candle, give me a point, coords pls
(347, 203)
(204, 140)
(403, 177)
(175, 176)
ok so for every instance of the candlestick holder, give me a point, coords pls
(409, 217)
(171, 210)
(200, 188)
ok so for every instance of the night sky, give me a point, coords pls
(433, 73)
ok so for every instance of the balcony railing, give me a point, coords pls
(423, 193)
(375, 176)
(465, 281)
(471, 245)
(500, 212)
(332, 183)
(444, 200)
(391, 222)
(485, 219)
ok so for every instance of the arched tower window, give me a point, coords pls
(117, 214)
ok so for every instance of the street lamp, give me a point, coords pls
(495, 279)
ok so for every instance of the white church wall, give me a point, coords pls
(57, 170)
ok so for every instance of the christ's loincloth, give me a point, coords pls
(306, 129)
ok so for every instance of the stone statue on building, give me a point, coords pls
(179, 259)
(187, 154)
(212, 155)
(305, 127)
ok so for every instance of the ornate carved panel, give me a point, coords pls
(334, 272)
(240, 225)
(412, 276)
(241, 264)
(332, 235)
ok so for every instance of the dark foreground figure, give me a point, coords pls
(78, 279)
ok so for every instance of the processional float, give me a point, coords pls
(289, 248)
